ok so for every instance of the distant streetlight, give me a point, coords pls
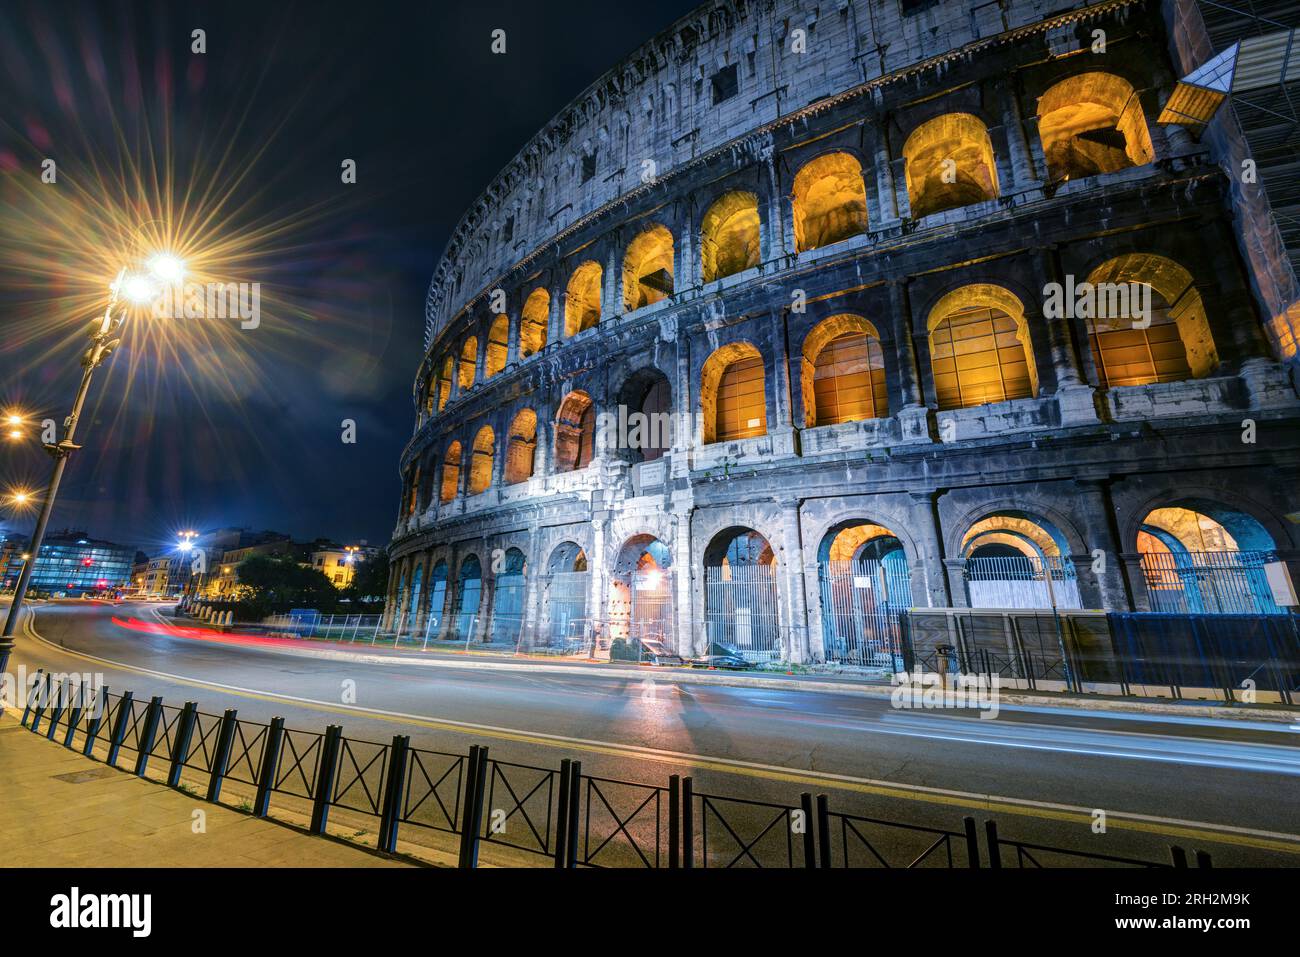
(138, 290)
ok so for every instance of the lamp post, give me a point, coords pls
(136, 289)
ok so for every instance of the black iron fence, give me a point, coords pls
(560, 815)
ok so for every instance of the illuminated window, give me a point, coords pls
(1092, 123)
(648, 268)
(949, 164)
(533, 322)
(497, 347)
(575, 432)
(413, 491)
(480, 467)
(450, 472)
(979, 348)
(582, 307)
(521, 447)
(729, 236)
(732, 393)
(830, 201)
(843, 372)
(443, 385)
(468, 362)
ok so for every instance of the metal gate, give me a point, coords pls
(565, 626)
(742, 611)
(1210, 583)
(1019, 581)
(651, 615)
(508, 608)
(862, 605)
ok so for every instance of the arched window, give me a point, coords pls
(443, 387)
(949, 164)
(508, 593)
(843, 372)
(413, 489)
(865, 585)
(521, 448)
(1092, 123)
(741, 598)
(480, 467)
(979, 348)
(648, 268)
(733, 395)
(1016, 560)
(830, 201)
(498, 346)
(469, 591)
(450, 472)
(729, 236)
(575, 432)
(533, 322)
(1146, 322)
(582, 307)
(468, 362)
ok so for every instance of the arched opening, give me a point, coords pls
(641, 599)
(521, 447)
(829, 200)
(508, 593)
(533, 322)
(647, 397)
(730, 236)
(865, 587)
(469, 590)
(575, 432)
(733, 395)
(413, 603)
(949, 163)
(437, 600)
(979, 348)
(1202, 557)
(741, 600)
(582, 302)
(444, 383)
(565, 626)
(498, 346)
(413, 490)
(1092, 123)
(468, 362)
(1017, 560)
(843, 372)
(480, 466)
(428, 473)
(401, 598)
(1146, 322)
(648, 268)
(450, 472)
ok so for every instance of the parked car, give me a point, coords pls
(721, 657)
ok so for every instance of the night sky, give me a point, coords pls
(197, 425)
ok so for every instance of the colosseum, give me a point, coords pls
(807, 319)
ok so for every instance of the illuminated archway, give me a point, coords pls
(829, 201)
(498, 346)
(480, 466)
(582, 304)
(437, 599)
(533, 322)
(730, 236)
(468, 362)
(1092, 123)
(469, 592)
(575, 432)
(1013, 559)
(564, 624)
(949, 164)
(641, 594)
(865, 585)
(521, 447)
(741, 597)
(979, 348)
(450, 473)
(648, 268)
(733, 398)
(843, 372)
(508, 593)
(443, 386)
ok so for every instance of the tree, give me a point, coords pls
(277, 583)
(369, 582)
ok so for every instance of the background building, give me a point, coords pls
(75, 564)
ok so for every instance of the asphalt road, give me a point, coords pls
(1225, 786)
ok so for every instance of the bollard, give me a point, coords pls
(329, 763)
(147, 734)
(181, 743)
(394, 793)
(562, 816)
(221, 753)
(472, 813)
(270, 765)
(118, 733)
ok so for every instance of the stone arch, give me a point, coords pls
(980, 351)
(641, 592)
(437, 603)
(647, 396)
(949, 163)
(469, 595)
(564, 623)
(481, 460)
(575, 432)
(533, 322)
(451, 463)
(412, 619)
(1174, 342)
(730, 236)
(498, 346)
(582, 299)
(521, 447)
(742, 605)
(468, 362)
(864, 584)
(443, 386)
(842, 372)
(829, 201)
(733, 393)
(508, 597)
(648, 268)
(1092, 123)
(1018, 559)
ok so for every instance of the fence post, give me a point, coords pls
(823, 830)
(1178, 855)
(562, 816)
(1203, 859)
(329, 764)
(60, 696)
(42, 699)
(96, 721)
(575, 804)
(221, 753)
(181, 744)
(995, 852)
(33, 693)
(809, 838)
(674, 821)
(270, 765)
(688, 824)
(118, 734)
(147, 734)
(74, 719)
(972, 843)
(393, 793)
(472, 818)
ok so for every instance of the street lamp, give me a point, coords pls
(138, 290)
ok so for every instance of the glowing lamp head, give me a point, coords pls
(140, 290)
(22, 498)
(167, 268)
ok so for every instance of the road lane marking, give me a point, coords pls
(1152, 824)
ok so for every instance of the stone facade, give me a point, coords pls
(676, 139)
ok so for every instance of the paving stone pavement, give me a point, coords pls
(60, 809)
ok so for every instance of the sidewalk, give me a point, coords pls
(65, 810)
